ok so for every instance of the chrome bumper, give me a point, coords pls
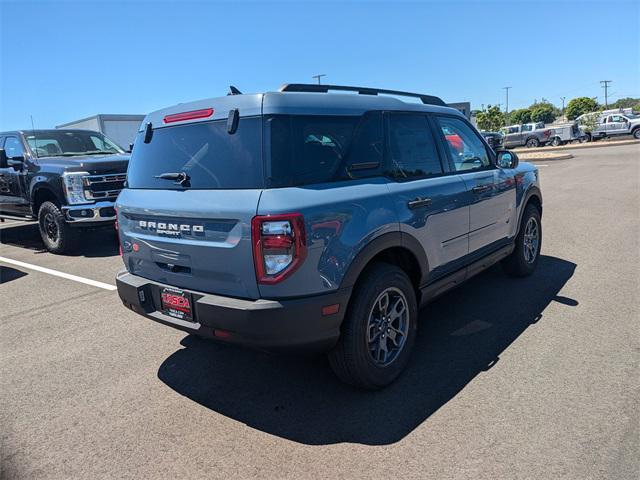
(93, 212)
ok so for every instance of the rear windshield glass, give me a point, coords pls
(205, 152)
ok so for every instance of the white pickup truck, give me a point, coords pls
(613, 124)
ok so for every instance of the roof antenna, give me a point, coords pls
(234, 91)
(35, 138)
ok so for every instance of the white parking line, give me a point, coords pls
(56, 273)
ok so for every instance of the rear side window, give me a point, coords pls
(211, 157)
(314, 149)
(411, 147)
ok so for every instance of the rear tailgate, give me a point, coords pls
(192, 239)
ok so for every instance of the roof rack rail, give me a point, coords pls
(312, 87)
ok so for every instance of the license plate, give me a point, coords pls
(176, 303)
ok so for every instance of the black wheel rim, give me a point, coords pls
(50, 227)
(531, 240)
(387, 326)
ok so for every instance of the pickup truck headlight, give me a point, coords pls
(73, 185)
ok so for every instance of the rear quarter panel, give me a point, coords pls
(340, 219)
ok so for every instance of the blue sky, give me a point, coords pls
(60, 61)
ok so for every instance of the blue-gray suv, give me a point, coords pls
(308, 220)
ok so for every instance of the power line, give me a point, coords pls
(605, 84)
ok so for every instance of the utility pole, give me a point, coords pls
(506, 115)
(605, 84)
(319, 76)
(563, 99)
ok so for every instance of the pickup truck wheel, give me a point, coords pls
(522, 262)
(532, 143)
(379, 329)
(636, 133)
(57, 236)
(556, 142)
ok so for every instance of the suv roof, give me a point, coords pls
(304, 99)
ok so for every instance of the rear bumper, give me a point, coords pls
(275, 325)
(90, 213)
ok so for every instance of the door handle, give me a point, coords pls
(481, 188)
(419, 202)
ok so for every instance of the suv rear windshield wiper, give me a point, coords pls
(180, 178)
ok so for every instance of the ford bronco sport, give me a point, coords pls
(308, 220)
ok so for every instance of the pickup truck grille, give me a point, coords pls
(104, 187)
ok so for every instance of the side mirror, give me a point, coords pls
(506, 159)
(130, 148)
(3, 159)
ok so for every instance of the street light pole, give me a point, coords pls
(319, 76)
(563, 98)
(506, 115)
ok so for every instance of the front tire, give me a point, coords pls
(56, 234)
(379, 329)
(523, 260)
(636, 134)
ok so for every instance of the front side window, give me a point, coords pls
(411, 147)
(13, 147)
(467, 150)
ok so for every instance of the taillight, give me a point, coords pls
(279, 246)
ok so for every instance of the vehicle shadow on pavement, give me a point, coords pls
(7, 274)
(93, 243)
(461, 335)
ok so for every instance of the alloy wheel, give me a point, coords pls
(387, 326)
(531, 240)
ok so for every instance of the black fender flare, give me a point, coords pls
(37, 187)
(533, 191)
(378, 245)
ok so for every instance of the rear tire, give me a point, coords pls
(379, 329)
(556, 142)
(56, 234)
(523, 260)
(636, 134)
(532, 143)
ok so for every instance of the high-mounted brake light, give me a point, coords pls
(279, 246)
(179, 117)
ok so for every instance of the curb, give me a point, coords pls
(533, 158)
(577, 146)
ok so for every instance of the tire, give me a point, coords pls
(532, 143)
(556, 142)
(588, 138)
(56, 234)
(636, 133)
(523, 260)
(361, 361)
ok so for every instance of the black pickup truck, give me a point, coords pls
(66, 180)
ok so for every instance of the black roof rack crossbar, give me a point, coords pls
(312, 87)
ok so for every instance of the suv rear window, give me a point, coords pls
(211, 157)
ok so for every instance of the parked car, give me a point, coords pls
(529, 134)
(567, 133)
(66, 180)
(308, 220)
(494, 139)
(614, 124)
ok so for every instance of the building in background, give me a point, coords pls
(122, 129)
(463, 107)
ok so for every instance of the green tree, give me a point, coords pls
(627, 102)
(543, 112)
(490, 119)
(522, 115)
(579, 106)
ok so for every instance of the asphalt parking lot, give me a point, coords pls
(531, 378)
